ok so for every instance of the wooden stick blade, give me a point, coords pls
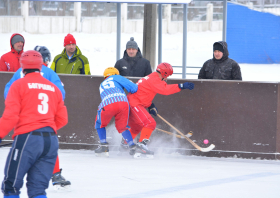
(190, 141)
(170, 133)
(209, 148)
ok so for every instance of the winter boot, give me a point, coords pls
(142, 150)
(58, 179)
(102, 150)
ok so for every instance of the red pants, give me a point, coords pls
(56, 167)
(119, 110)
(139, 119)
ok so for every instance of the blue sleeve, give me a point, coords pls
(127, 84)
(50, 75)
(15, 77)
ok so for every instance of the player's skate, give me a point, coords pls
(59, 182)
(124, 148)
(142, 150)
(132, 149)
(102, 150)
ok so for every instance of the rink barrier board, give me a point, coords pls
(240, 118)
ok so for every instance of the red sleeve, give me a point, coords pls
(161, 87)
(12, 110)
(61, 116)
(3, 66)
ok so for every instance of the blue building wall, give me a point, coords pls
(252, 36)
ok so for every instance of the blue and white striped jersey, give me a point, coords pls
(112, 90)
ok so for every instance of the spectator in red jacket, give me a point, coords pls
(10, 61)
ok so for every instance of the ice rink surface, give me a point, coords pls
(165, 176)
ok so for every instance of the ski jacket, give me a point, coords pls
(148, 87)
(45, 72)
(224, 69)
(112, 90)
(10, 61)
(78, 64)
(32, 103)
(134, 66)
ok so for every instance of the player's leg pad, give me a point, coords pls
(102, 150)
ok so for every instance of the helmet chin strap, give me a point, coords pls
(159, 75)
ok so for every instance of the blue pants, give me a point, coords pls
(33, 154)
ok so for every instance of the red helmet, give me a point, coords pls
(31, 60)
(165, 69)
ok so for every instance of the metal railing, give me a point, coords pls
(193, 67)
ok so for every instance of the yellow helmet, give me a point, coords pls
(111, 71)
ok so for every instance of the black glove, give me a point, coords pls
(0, 140)
(153, 109)
(186, 85)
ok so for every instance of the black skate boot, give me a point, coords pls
(102, 150)
(59, 181)
(124, 148)
(132, 149)
(142, 150)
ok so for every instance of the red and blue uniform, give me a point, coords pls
(50, 75)
(114, 104)
(34, 108)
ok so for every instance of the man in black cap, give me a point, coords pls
(132, 63)
(10, 60)
(220, 66)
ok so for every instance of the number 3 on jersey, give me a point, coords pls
(43, 108)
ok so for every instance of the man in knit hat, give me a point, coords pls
(132, 63)
(10, 60)
(220, 66)
(71, 60)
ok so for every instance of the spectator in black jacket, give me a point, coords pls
(132, 63)
(220, 66)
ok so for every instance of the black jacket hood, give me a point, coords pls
(225, 54)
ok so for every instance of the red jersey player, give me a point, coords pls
(34, 108)
(140, 119)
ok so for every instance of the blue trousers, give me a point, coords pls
(33, 154)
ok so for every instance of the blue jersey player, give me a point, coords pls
(114, 103)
